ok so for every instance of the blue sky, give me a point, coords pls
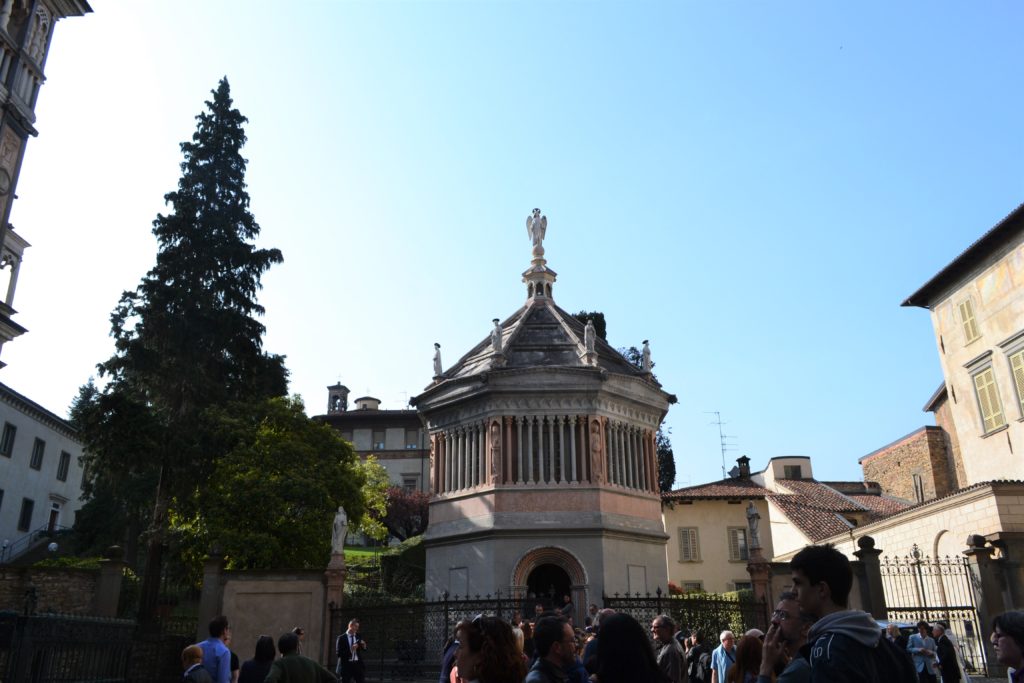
(754, 187)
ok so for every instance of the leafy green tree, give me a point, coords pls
(666, 461)
(375, 495)
(599, 323)
(407, 513)
(271, 498)
(187, 338)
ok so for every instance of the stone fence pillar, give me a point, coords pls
(211, 597)
(106, 599)
(987, 580)
(335, 593)
(871, 591)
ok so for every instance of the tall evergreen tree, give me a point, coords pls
(188, 337)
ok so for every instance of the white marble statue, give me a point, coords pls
(645, 357)
(536, 226)
(496, 337)
(437, 359)
(340, 531)
(590, 337)
(753, 519)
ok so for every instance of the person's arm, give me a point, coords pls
(224, 667)
(771, 654)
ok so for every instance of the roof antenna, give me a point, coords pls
(722, 438)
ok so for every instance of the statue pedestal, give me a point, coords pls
(336, 573)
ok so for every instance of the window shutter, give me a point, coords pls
(969, 323)
(988, 399)
(737, 544)
(688, 551)
(1017, 366)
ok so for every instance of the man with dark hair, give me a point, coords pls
(921, 646)
(667, 650)
(295, 668)
(556, 651)
(781, 649)
(216, 656)
(843, 644)
(698, 658)
(349, 649)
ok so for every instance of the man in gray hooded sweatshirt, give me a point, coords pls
(841, 645)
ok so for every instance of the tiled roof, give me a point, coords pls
(814, 521)
(819, 494)
(819, 510)
(725, 488)
(881, 505)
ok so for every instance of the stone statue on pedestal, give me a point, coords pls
(753, 519)
(590, 337)
(496, 337)
(645, 356)
(340, 531)
(536, 227)
(437, 359)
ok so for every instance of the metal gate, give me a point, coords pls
(918, 587)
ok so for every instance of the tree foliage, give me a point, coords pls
(187, 339)
(666, 461)
(375, 496)
(407, 512)
(272, 496)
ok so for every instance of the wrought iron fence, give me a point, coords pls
(918, 587)
(709, 613)
(49, 648)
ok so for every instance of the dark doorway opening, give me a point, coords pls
(546, 585)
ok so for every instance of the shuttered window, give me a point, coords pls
(738, 543)
(968, 321)
(1017, 368)
(689, 551)
(988, 400)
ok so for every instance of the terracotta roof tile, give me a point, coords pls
(725, 488)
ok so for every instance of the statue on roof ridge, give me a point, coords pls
(437, 359)
(496, 336)
(536, 227)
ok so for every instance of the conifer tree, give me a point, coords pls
(187, 338)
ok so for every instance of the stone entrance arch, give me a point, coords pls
(561, 558)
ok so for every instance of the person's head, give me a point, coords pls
(566, 599)
(592, 610)
(219, 627)
(748, 656)
(696, 636)
(487, 651)
(793, 624)
(922, 628)
(727, 639)
(554, 641)
(300, 632)
(601, 616)
(624, 652)
(265, 650)
(662, 628)
(538, 609)
(288, 643)
(893, 630)
(938, 630)
(822, 579)
(1008, 638)
(353, 626)
(193, 654)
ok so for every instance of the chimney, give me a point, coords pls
(744, 465)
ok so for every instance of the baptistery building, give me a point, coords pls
(543, 473)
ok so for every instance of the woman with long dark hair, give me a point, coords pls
(487, 652)
(748, 660)
(625, 653)
(257, 668)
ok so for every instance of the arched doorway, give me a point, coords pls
(546, 585)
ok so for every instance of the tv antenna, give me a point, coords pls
(723, 439)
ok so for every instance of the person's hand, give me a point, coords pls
(772, 651)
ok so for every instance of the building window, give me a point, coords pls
(689, 550)
(62, 468)
(692, 586)
(738, 544)
(347, 436)
(791, 471)
(988, 400)
(7, 440)
(25, 518)
(743, 585)
(409, 484)
(412, 438)
(967, 320)
(1017, 368)
(38, 448)
(378, 439)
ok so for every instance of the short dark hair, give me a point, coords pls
(548, 631)
(265, 651)
(823, 563)
(922, 623)
(1012, 624)
(288, 643)
(217, 626)
(666, 621)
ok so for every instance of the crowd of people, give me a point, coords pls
(812, 637)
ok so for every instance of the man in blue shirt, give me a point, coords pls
(723, 656)
(922, 647)
(216, 656)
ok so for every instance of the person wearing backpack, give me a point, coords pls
(698, 658)
(843, 645)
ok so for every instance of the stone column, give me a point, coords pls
(519, 449)
(562, 476)
(988, 595)
(529, 448)
(760, 571)
(572, 448)
(449, 461)
(872, 593)
(108, 586)
(211, 597)
(551, 449)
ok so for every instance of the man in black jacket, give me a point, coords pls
(556, 650)
(350, 647)
(948, 664)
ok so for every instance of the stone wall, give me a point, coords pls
(944, 418)
(58, 590)
(923, 453)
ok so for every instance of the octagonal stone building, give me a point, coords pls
(543, 473)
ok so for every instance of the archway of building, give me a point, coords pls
(544, 575)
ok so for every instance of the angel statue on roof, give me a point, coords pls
(536, 226)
